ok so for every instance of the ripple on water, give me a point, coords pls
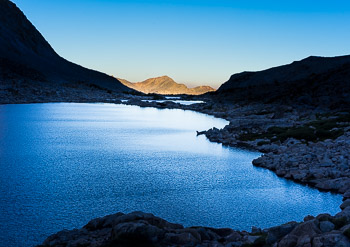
(63, 164)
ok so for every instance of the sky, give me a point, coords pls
(196, 42)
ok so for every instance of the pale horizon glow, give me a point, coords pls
(194, 42)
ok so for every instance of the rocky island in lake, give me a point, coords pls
(296, 115)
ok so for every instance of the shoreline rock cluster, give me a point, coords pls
(144, 229)
(324, 165)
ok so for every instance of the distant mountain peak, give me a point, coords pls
(164, 77)
(165, 85)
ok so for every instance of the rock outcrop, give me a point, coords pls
(165, 85)
(141, 229)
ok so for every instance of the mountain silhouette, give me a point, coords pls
(26, 55)
(313, 80)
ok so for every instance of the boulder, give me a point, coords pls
(136, 232)
(331, 239)
(346, 195)
(326, 226)
(276, 233)
(301, 235)
(180, 239)
(345, 204)
(344, 215)
(309, 217)
(323, 217)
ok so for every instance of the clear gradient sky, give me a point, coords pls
(195, 42)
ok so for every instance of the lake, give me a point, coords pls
(63, 164)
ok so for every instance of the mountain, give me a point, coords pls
(165, 85)
(323, 81)
(26, 56)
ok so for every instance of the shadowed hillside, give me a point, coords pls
(27, 59)
(165, 85)
(321, 81)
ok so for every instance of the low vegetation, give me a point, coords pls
(318, 130)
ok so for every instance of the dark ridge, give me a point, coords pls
(26, 55)
(318, 81)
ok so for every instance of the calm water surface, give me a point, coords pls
(64, 164)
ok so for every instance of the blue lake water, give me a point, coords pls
(63, 164)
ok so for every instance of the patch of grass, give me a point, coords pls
(253, 136)
(326, 124)
(324, 134)
(276, 130)
(313, 131)
(300, 133)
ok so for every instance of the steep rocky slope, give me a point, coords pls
(323, 81)
(26, 58)
(165, 85)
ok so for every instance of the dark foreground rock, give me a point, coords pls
(144, 229)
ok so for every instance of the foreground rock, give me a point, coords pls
(143, 229)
